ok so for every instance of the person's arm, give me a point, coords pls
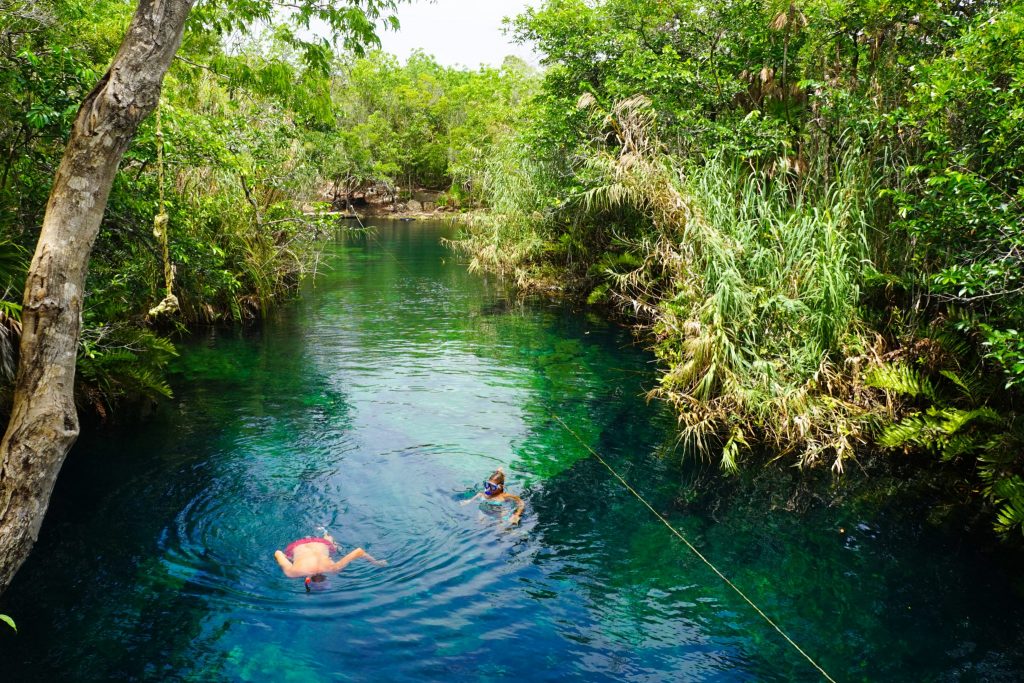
(520, 506)
(470, 500)
(374, 561)
(355, 555)
(286, 565)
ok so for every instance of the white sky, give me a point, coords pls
(458, 32)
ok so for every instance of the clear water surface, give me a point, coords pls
(374, 405)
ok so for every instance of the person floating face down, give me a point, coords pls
(494, 492)
(311, 558)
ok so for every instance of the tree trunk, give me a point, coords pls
(44, 423)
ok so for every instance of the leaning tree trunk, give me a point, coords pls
(44, 423)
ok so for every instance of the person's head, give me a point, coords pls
(316, 578)
(495, 483)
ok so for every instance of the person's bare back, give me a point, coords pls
(311, 558)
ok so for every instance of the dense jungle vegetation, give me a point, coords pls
(253, 132)
(813, 210)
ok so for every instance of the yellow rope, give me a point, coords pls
(697, 552)
(160, 158)
(160, 223)
(160, 226)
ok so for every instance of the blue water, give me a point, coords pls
(374, 406)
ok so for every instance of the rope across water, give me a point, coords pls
(698, 553)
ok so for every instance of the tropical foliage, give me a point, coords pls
(812, 210)
(252, 136)
(795, 201)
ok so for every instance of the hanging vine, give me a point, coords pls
(161, 222)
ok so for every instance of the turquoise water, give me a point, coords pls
(376, 404)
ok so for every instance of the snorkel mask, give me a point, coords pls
(311, 581)
(490, 488)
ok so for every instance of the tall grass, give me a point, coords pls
(240, 245)
(747, 281)
(759, 322)
(514, 235)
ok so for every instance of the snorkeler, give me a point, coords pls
(311, 558)
(494, 493)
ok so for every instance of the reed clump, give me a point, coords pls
(747, 281)
(513, 237)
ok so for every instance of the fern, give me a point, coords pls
(149, 381)
(912, 430)
(953, 342)
(946, 431)
(120, 361)
(902, 379)
(955, 426)
(1009, 495)
(957, 420)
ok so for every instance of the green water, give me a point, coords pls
(378, 402)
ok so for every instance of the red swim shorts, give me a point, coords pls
(290, 550)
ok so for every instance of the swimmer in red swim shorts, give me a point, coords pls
(311, 558)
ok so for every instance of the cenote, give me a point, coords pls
(377, 402)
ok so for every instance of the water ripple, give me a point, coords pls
(374, 407)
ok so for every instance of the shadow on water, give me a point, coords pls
(375, 405)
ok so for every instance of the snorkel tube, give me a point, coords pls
(315, 578)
